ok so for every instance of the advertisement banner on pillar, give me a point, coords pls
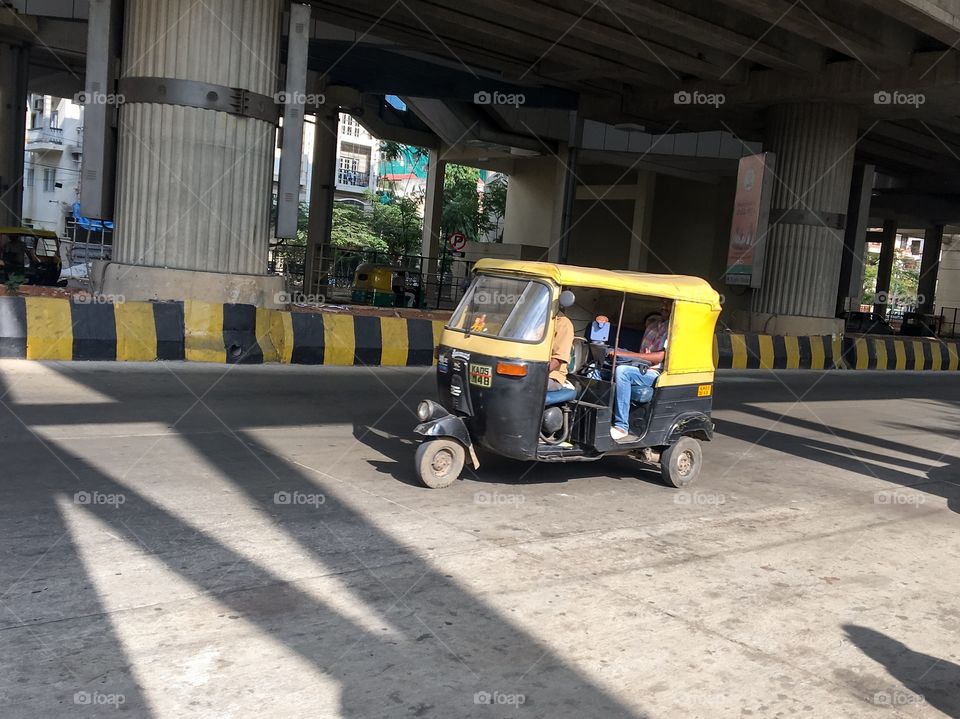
(751, 213)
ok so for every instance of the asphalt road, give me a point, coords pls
(194, 541)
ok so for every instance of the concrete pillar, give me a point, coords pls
(13, 111)
(431, 243)
(535, 205)
(888, 248)
(948, 285)
(642, 222)
(814, 145)
(195, 151)
(929, 269)
(852, 265)
(320, 217)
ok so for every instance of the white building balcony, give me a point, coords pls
(44, 139)
(352, 180)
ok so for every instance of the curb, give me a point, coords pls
(53, 328)
(752, 351)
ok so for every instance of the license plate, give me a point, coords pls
(481, 375)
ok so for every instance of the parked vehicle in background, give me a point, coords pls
(916, 324)
(33, 255)
(868, 323)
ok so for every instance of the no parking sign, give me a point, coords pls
(457, 241)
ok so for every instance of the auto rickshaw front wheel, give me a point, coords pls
(439, 462)
(680, 462)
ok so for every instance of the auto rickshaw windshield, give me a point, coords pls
(504, 307)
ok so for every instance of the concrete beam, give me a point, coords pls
(939, 19)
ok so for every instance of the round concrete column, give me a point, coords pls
(814, 144)
(194, 184)
(13, 110)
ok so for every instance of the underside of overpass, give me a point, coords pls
(621, 123)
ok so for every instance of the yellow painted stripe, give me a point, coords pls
(937, 363)
(394, 340)
(716, 352)
(918, 354)
(765, 343)
(437, 331)
(49, 328)
(861, 358)
(880, 349)
(203, 332)
(954, 358)
(339, 339)
(900, 352)
(267, 335)
(286, 347)
(817, 353)
(837, 362)
(738, 344)
(792, 345)
(136, 332)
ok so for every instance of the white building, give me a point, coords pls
(51, 177)
(357, 152)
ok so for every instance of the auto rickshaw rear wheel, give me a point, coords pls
(680, 462)
(439, 462)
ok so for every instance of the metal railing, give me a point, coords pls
(352, 178)
(436, 282)
(53, 135)
(949, 321)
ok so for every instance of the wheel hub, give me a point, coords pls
(685, 463)
(442, 461)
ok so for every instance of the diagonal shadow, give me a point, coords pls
(445, 631)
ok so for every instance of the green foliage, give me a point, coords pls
(462, 208)
(352, 228)
(13, 283)
(904, 280)
(495, 204)
(397, 223)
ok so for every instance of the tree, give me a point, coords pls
(904, 281)
(495, 203)
(462, 209)
(352, 228)
(397, 222)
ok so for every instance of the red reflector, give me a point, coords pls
(511, 369)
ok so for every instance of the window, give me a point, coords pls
(54, 119)
(28, 178)
(503, 307)
(49, 179)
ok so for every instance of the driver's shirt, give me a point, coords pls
(562, 347)
(655, 339)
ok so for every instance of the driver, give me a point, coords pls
(653, 349)
(562, 345)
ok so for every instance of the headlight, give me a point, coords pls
(424, 410)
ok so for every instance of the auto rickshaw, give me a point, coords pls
(384, 286)
(31, 254)
(492, 371)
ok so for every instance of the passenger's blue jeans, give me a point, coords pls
(629, 377)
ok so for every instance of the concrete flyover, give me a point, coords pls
(622, 139)
(192, 540)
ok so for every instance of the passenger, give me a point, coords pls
(562, 344)
(653, 350)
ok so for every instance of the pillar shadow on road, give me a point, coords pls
(927, 679)
(448, 643)
(943, 481)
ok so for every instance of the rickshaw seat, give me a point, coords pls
(559, 396)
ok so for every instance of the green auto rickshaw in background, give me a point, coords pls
(384, 285)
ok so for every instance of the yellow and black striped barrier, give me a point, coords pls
(900, 353)
(752, 351)
(51, 328)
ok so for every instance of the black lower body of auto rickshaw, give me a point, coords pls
(516, 417)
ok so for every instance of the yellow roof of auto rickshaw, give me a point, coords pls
(28, 232)
(674, 287)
